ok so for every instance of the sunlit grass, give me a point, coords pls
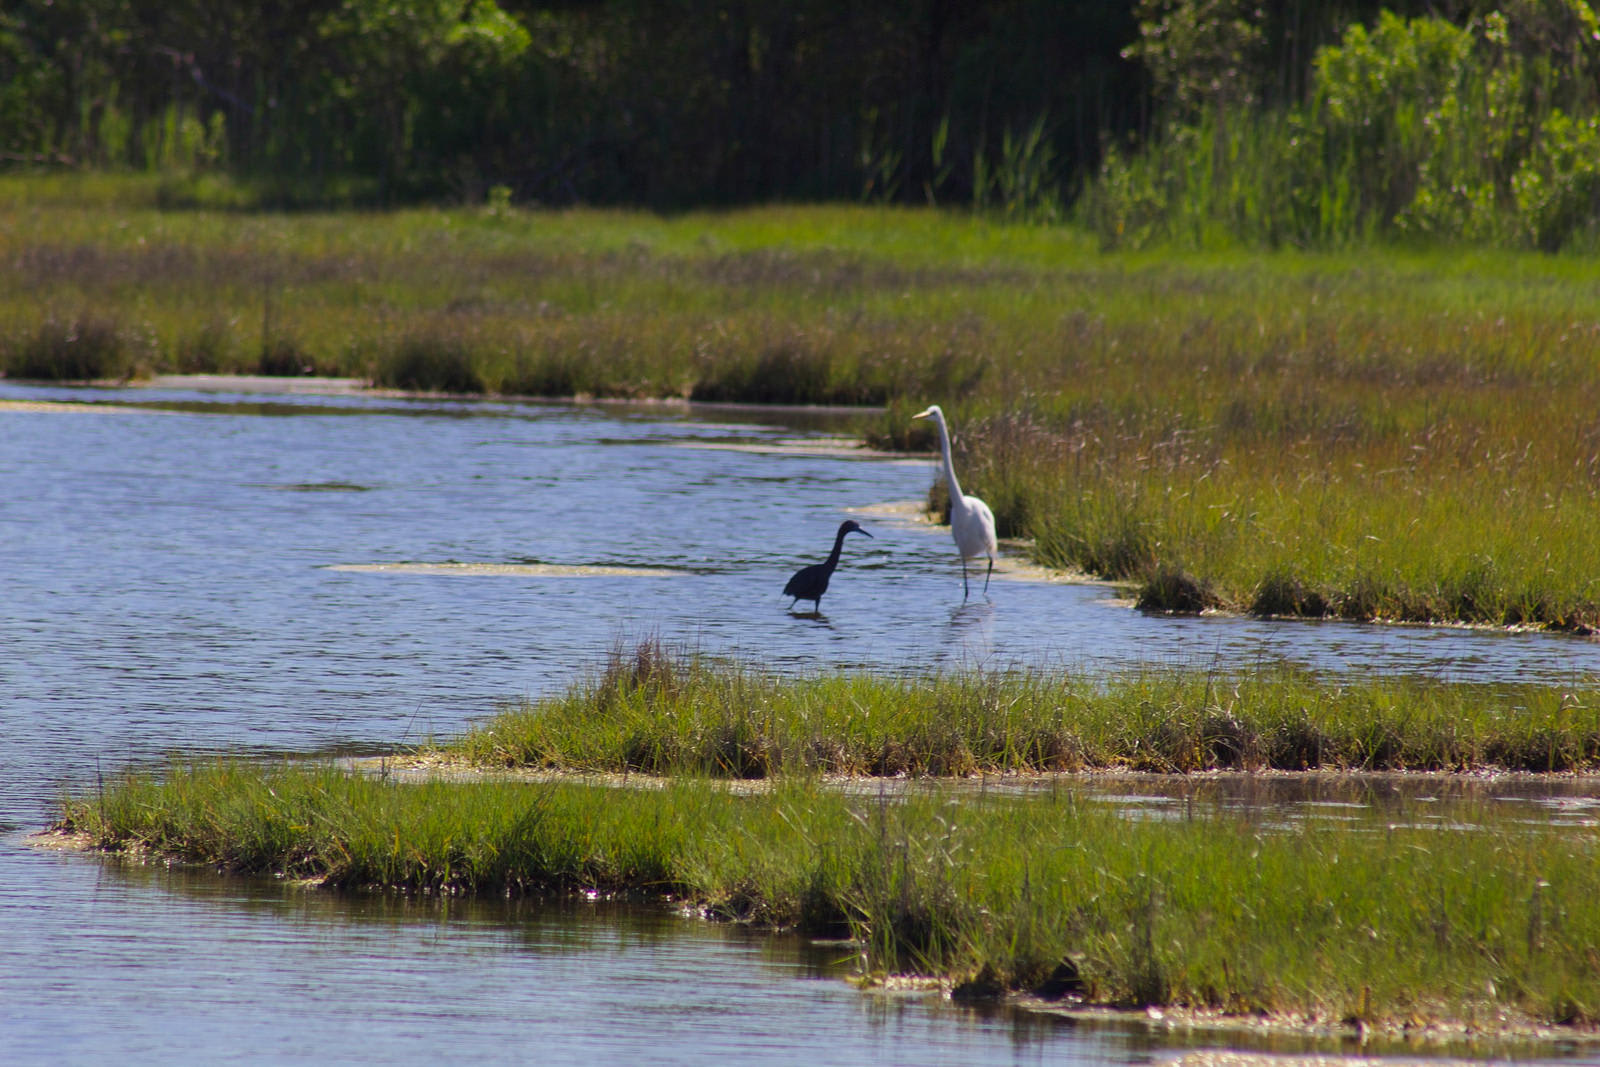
(659, 713)
(1375, 920)
(1462, 518)
(1376, 433)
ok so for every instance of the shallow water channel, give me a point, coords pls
(205, 571)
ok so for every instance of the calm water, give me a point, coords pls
(169, 581)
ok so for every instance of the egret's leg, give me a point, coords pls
(986, 576)
(964, 593)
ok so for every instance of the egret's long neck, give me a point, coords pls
(949, 468)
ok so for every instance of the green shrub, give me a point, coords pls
(1418, 128)
(1557, 187)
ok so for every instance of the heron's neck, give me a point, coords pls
(949, 468)
(838, 544)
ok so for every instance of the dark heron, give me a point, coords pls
(809, 583)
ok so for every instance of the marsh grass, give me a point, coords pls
(1382, 433)
(74, 347)
(1374, 920)
(662, 713)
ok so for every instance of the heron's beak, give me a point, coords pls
(923, 414)
(860, 530)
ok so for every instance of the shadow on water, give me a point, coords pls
(608, 978)
(1151, 1038)
(815, 616)
(579, 924)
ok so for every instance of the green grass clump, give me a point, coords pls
(1361, 919)
(79, 347)
(658, 713)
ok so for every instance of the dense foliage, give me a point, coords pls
(1188, 121)
(1002, 102)
(620, 101)
(1486, 131)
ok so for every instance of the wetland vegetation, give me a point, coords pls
(665, 714)
(1407, 914)
(1482, 921)
(1260, 328)
(1407, 437)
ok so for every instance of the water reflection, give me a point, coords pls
(969, 639)
(269, 971)
(817, 618)
(261, 971)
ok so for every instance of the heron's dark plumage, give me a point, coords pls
(809, 583)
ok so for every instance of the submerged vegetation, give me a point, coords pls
(1484, 923)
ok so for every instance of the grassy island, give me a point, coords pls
(656, 712)
(1461, 914)
(1357, 920)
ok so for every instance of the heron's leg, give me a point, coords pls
(986, 576)
(964, 593)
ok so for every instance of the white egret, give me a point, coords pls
(971, 521)
(809, 583)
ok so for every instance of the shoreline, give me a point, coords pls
(327, 385)
(1510, 1031)
(415, 766)
(1023, 567)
